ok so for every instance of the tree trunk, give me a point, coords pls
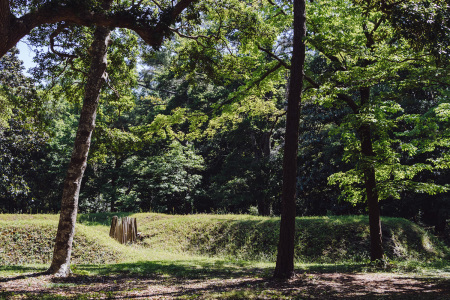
(4, 26)
(4, 22)
(263, 205)
(69, 203)
(285, 256)
(262, 156)
(114, 179)
(376, 246)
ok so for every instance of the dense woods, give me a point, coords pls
(194, 103)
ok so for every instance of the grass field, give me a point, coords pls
(220, 257)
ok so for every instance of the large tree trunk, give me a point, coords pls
(376, 247)
(69, 203)
(285, 256)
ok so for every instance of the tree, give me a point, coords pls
(285, 257)
(150, 26)
(69, 204)
(224, 78)
(366, 69)
(320, 152)
(23, 133)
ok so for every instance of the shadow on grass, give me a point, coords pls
(224, 280)
(197, 269)
(243, 282)
(332, 268)
(30, 272)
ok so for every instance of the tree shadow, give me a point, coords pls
(198, 269)
(255, 284)
(332, 268)
(361, 286)
(225, 280)
(30, 272)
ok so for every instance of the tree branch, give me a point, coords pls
(179, 7)
(288, 66)
(5, 14)
(111, 86)
(158, 90)
(254, 83)
(280, 60)
(311, 81)
(277, 117)
(156, 3)
(347, 99)
(53, 12)
(274, 4)
(192, 37)
(377, 24)
(72, 67)
(54, 34)
(333, 58)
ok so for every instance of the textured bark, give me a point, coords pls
(376, 246)
(4, 20)
(13, 29)
(69, 203)
(4, 26)
(285, 256)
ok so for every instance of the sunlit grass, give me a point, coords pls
(8, 271)
(222, 245)
(19, 219)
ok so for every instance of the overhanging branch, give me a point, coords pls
(347, 99)
(53, 12)
(59, 29)
(253, 84)
(271, 54)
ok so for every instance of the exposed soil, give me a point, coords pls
(304, 286)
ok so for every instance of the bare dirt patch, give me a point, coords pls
(304, 286)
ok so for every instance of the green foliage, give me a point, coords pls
(5, 111)
(22, 135)
(167, 182)
(199, 127)
(358, 48)
(219, 86)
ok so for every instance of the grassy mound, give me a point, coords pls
(26, 239)
(318, 239)
(29, 239)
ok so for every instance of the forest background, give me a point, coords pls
(198, 125)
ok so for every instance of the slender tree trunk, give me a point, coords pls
(285, 256)
(376, 246)
(69, 203)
